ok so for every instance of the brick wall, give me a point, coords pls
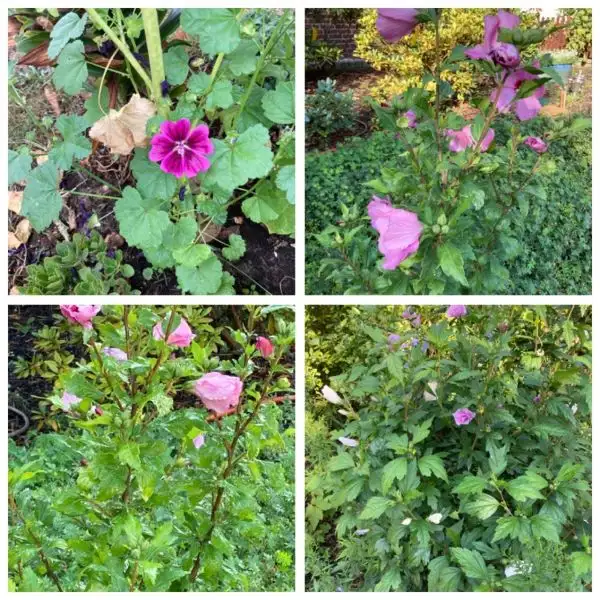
(336, 32)
(558, 40)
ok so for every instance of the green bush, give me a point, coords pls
(556, 254)
(579, 33)
(402, 496)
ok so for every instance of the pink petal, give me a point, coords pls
(478, 52)
(527, 108)
(195, 163)
(395, 23)
(490, 35)
(508, 20)
(182, 129)
(174, 164)
(161, 146)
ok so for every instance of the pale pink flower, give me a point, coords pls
(264, 346)
(537, 144)
(198, 441)
(463, 416)
(501, 53)
(456, 310)
(80, 313)
(218, 392)
(525, 108)
(399, 231)
(69, 400)
(462, 139)
(115, 353)
(395, 23)
(181, 337)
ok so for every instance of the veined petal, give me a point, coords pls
(174, 164)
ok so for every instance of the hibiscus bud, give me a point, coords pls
(436, 229)
(98, 411)
(83, 462)
(442, 220)
(503, 327)
(264, 346)
(445, 229)
(506, 55)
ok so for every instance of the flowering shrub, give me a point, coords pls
(453, 456)
(470, 193)
(208, 121)
(177, 458)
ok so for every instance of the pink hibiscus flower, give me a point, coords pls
(501, 53)
(462, 139)
(399, 231)
(463, 416)
(536, 143)
(264, 346)
(395, 23)
(218, 392)
(181, 337)
(181, 150)
(525, 108)
(80, 313)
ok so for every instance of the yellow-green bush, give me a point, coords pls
(405, 62)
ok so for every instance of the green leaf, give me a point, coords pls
(341, 462)
(470, 484)
(192, 256)
(236, 162)
(242, 61)
(220, 96)
(396, 469)
(270, 207)
(176, 65)
(151, 180)
(278, 104)
(543, 527)
(471, 562)
(236, 248)
(433, 464)
(199, 83)
(390, 582)
(218, 29)
(452, 263)
(94, 109)
(129, 454)
(71, 71)
(74, 145)
(526, 487)
(142, 220)
(67, 28)
(516, 528)
(286, 182)
(497, 458)
(582, 563)
(375, 507)
(442, 577)
(201, 280)
(483, 506)
(19, 165)
(421, 431)
(41, 199)
(180, 234)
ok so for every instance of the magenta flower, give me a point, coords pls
(218, 392)
(463, 416)
(181, 337)
(80, 313)
(491, 49)
(525, 108)
(456, 310)
(198, 441)
(264, 346)
(537, 399)
(395, 23)
(536, 143)
(69, 400)
(181, 150)
(412, 118)
(115, 353)
(462, 139)
(399, 231)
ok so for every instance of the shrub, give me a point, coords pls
(320, 55)
(142, 494)
(406, 499)
(579, 33)
(328, 111)
(405, 63)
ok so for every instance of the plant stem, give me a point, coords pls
(78, 167)
(76, 193)
(123, 39)
(124, 48)
(157, 67)
(106, 374)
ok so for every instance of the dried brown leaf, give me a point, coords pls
(23, 230)
(38, 57)
(15, 199)
(52, 98)
(13, 241)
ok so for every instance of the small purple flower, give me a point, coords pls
(414, 342)
(69, 400)
(408, 314)
(106, 48)
(537, 399)
(181, 193)
(164, 88)
(425, 347)
(141, 59)
(412, 118)
(198, 441)
(416, 322)
(456, 310)
(393, 339)
(348, 442)
(181, 150)
(116, 353)
(463, 416)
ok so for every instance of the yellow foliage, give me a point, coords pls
(405, 62)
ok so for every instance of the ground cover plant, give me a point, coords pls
(162, 458)
(451, 208)
(180, 153)
(448, 448)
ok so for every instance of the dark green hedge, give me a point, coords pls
(557, 251)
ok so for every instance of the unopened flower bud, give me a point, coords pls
(436, 229)
(445, 229)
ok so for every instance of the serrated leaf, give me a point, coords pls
(176, 63)
(151, 180)
(516, 528)
(470, 484)
(68, 27)
(375, 507)
(421, 431)
(286, 182)
(203, 279)
(242, 61)
(526, 487)
(71, 71)
(192, 256)
(278, 104)
(218, 29)
(341, 462)
(471, 562)
(129, 454)
(220, 96)
(270, 207)
(73, 145)
(395, 469)
(543, 527)
(433, 464)
(483, 506)
(41, 200)
(390, 582)
(19, 166)
(582, 563)
(452, 263)
(142, 220)
(497, 460)
(442, 577)
(199, 83)
(236, 248)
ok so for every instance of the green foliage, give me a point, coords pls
(122, 500)
(328, 111)
(579, 31)
(422, 504)
(83, 266)
(321, 55)
(71, 71)
(42, 200)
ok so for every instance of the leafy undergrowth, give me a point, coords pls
(454, 456)
(149, 482)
